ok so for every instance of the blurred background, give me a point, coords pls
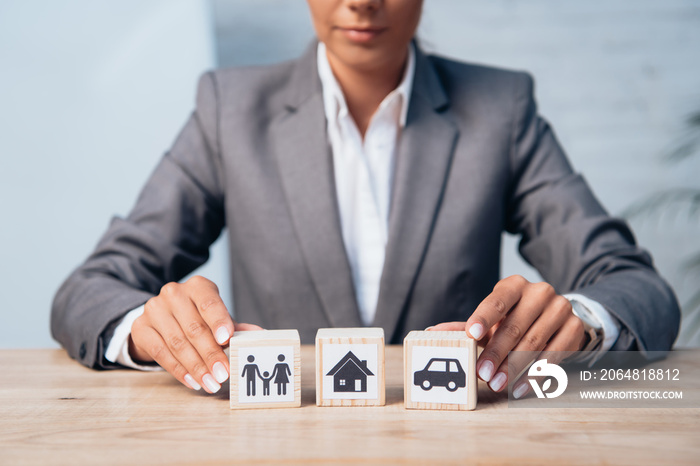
(92, 92)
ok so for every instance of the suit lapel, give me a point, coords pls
(423, 159)
(304, 161)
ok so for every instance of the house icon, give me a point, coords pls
(350, 374)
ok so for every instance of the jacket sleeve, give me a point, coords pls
(177, 216)
(574, 243)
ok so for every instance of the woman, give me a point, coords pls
(363, 184)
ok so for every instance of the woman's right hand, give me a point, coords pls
(184, 329)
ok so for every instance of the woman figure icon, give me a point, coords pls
(280, 374)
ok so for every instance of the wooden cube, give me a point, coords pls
(265, 369)
(439, 371)
(350, 367)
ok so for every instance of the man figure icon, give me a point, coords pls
(249, 372)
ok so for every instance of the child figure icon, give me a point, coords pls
(266, 383)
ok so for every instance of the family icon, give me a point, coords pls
(280, 373)
(265, 369)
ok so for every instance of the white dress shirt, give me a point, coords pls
(363, 169)
(363, 176)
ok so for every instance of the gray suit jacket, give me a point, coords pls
(474, 160)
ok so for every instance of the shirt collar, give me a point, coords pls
(334, 101)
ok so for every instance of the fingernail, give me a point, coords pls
(192, 383)
(498, 382)
(476, 331)
(210, 383)
(520, 390)
(220, 372)
(486, 371)
(428, 328)
(222, 336)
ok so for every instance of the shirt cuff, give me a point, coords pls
(118, 348)
(610, 327)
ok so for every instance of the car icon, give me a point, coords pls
(441, 372)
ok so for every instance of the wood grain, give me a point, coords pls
(54, 411)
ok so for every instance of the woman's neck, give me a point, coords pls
(365, 89)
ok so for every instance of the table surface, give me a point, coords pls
(54, 411)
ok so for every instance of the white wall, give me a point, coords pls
(91, 95)
(616, 78)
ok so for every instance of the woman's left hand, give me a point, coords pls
(519, 316)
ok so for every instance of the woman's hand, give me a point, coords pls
(184, 330)
(519, 316)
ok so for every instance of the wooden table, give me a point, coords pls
(54, 411)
